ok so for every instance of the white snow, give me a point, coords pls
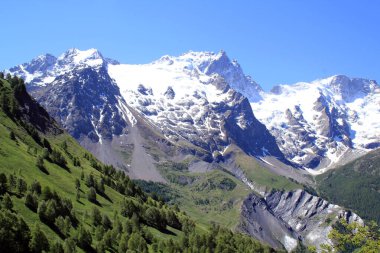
(158, 76)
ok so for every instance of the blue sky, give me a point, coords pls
(274, 41)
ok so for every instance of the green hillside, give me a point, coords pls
(355, 185)
(56, 197)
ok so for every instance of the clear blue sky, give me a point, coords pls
(282, 41)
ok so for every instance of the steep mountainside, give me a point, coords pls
(56, 197)
(190, 101)
(355, 185)
(321, 124)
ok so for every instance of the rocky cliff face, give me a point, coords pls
(318, 124)
(233, 74)
(86, 102)
(287, 218)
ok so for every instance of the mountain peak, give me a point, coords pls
(75, 56)
(349, 88)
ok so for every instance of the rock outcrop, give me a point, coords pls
(287, 218)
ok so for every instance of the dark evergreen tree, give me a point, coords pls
(35, 187)
(99, 233)
(38, 241)
(91, 196)
(12, 182)
(100, 186)
(77, 183)
(40, 163)
(83, 238)
(108, 239)
(69, 246)
(64, 146)
(6, 202)
(45, 154)
(41, 209)
(106, 222)
(14, 233)
(67, 226)
(3, 184)
(172, 220)
(100, 247)
(47, 145)
(76, 162)
(46, 193)
(21, 186)
(77, 196)
(57, 158)
(152, 216)
(31, 201)
(123, 243)
(96, 216)
(56, 247)
(137, 243)
(12, 136)
(90, 181)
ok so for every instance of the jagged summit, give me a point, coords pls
(322, 120)
(349, 88)
(41, 70)
(210, 63)
(341, 86)
(76, 56)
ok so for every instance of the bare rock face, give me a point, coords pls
(259, 221)
(285, 218)
(85, 103)
(318, 125)
(233, 74)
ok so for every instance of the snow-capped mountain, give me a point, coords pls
(42, 70)
(193, 98)
(77, 91)
(317, 124)
(201, 106)
(205, 99)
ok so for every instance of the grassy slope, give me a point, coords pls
(261, 176)
(16, 158)
(203, 196)
(355, 185)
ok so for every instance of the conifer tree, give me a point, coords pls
(56, 247)
(38, 241)
(91, 196)
(6, 202)
(3, 184)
